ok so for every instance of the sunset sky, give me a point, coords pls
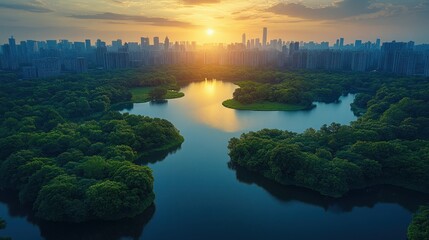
(307, 20)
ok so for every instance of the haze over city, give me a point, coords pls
(189, 20)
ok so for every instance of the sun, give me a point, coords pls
(209, 31)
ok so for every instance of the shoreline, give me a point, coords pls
(265, 106)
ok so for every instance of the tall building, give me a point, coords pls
(395, 57)
(81, 65)
(264, 36)
(144, 42)
(116, 45)
(98, 43)
(257, 43)
(156, 42)
(358, 43)
(51, 44)
(341, 42)
(79, 47)
(166, 43)
(100, 55)
(378, 43)
(293, 47)
(13, 53)
(88, 44)
(48, 67)
(243, 39)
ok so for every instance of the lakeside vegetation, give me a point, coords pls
(419, 227)
(71, 157)
(143, 94)
(263, 106)
(388, 144)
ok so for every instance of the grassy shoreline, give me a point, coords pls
(141, 94)
(265, 106)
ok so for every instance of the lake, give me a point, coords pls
(199, 197)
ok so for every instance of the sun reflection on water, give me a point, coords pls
(205, 104)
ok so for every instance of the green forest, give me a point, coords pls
(388, 144)
(73, 157)
(69, 155)
(419, 227)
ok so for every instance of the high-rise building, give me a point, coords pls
(98, 43)
(243, 39)
(166, 43)
(341, 42)
(79, 47)
(88, 44)
(116, 45)
(12, 45)
(100, 56)
(51, 44)
(358, 43)
(156, 42)
(81, 65)
(293, 47)
(264, 36)
(257, 43)
(378, 43)
(144, 42)
(13, 53)
(48, 67)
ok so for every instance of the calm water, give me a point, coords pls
(199, 197)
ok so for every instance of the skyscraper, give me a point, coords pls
(13, 53)
(52, 44)
(243, 39)
(144, 42)
(264, 37)
(358, 43)
(378, 43)
(341, 42)
(88, 44)
(166, 43)
(156, 42)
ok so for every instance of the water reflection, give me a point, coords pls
(204, 103)
(367, 197)
(156, 156)
(98, 230)
(94, 230)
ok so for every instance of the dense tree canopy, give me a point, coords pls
(69, 155)
(388, 144)
(419, 227)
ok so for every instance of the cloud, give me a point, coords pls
(196, 2)
(35, 7)
(338, 10)
(134, 18)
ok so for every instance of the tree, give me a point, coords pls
(158, 93)
(108, 199)
(419, 227)
(61, 200)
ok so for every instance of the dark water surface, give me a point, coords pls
(199, 197)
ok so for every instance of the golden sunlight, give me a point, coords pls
(209, 31)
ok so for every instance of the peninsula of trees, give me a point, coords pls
(69, 155)
(388, 144)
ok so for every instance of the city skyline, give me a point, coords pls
(263, 39)
(182, 20)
